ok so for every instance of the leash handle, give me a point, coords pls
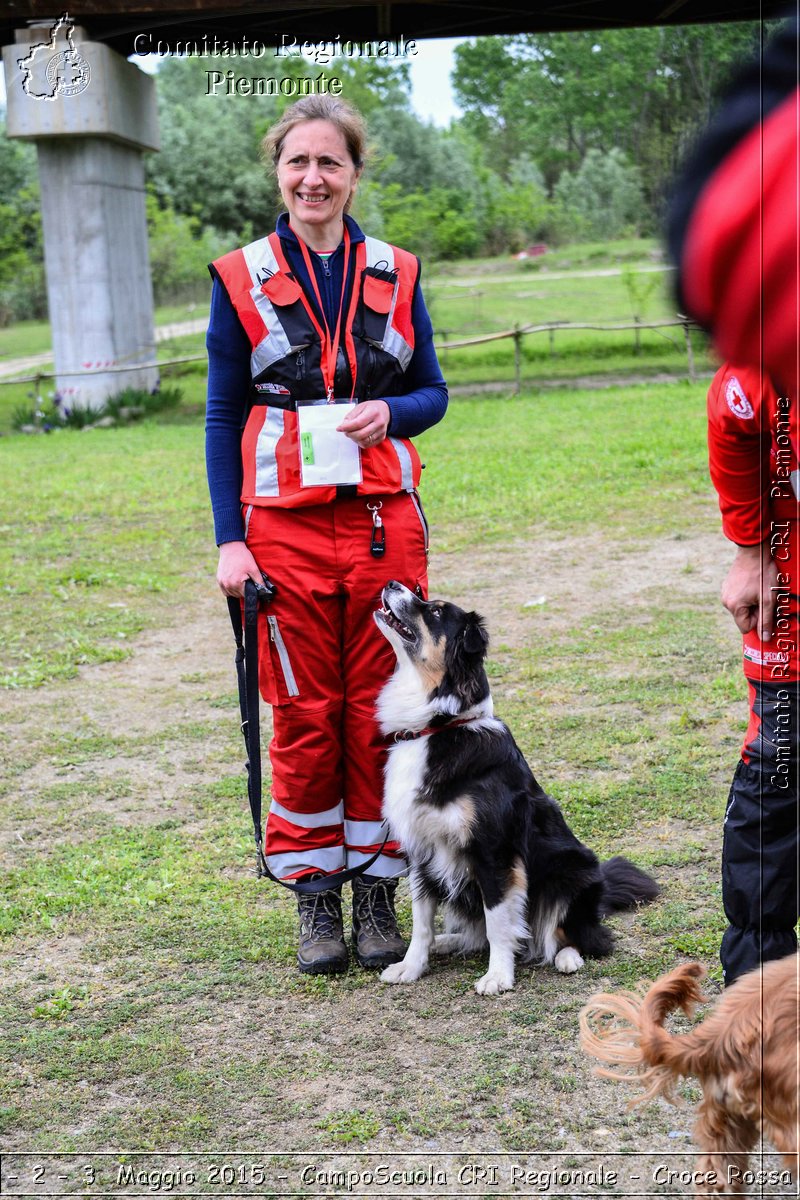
(246, 636)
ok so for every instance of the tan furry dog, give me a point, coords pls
(745, 1054)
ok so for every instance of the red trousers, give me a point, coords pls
(322, 663)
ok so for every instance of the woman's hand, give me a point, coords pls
(236, 566)
(748, 592)
(367, 424)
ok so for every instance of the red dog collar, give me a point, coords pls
(408, 735)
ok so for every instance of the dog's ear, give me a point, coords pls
(475, 637)
(464, 682)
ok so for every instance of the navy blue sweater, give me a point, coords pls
(229, 352)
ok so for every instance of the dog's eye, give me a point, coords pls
(436, 612)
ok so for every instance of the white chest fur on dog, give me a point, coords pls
(428, 833)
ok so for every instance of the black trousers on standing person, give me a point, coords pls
(760, 867)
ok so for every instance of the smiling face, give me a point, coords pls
(317, 177)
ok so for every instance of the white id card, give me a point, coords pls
(327, 457)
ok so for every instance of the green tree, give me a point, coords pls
(23, 292)
(374, 85)
(519, 211)
(558, 96)
(434, 224)
(180, 250)
(210, 162)
(602, 199)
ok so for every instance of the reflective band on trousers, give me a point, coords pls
(384, 866)
(317, 820)
(327, 860)
(364, 833)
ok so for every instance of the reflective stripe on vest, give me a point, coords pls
(393, 342)
(266, 464)
(406, 466)
(261, 263)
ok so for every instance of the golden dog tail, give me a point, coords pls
(627, 1028)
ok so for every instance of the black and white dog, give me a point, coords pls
(481, 835)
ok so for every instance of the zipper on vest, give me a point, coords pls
(370, 370)
(301, 364)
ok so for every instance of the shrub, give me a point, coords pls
(132, 404)
(603, 199)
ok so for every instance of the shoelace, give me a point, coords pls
(373, 911)
(321, 916)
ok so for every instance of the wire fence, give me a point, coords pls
(517, 333)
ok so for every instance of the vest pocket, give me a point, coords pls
(377, 302)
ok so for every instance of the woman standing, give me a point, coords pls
(321, 367)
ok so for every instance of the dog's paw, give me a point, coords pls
(402, 972)
(492, 984)
(568, 961)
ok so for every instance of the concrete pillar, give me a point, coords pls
(92, 116)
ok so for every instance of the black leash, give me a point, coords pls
(249, 700)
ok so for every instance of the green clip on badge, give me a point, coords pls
(307, 447)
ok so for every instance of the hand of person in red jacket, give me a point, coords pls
(746, 592)
(236, 566)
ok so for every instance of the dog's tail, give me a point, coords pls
(624, 886)
(628, 1029)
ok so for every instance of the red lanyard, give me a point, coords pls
(329, 351)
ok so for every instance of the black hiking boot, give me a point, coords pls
(322, 949)
(376, 937)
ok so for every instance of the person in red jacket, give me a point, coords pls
(734, 236)
(734, 219)
(752, 436)
(321, 368)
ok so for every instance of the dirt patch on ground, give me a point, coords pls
(561, 581)
(113, 734)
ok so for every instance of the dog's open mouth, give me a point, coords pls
(396, 624)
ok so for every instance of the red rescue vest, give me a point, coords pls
(285, 364)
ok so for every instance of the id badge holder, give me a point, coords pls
(327, 458)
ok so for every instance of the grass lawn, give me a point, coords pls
(152, 1001)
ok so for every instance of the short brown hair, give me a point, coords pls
(344, 116)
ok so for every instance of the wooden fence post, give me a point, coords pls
(517, 362)
(687, 333)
